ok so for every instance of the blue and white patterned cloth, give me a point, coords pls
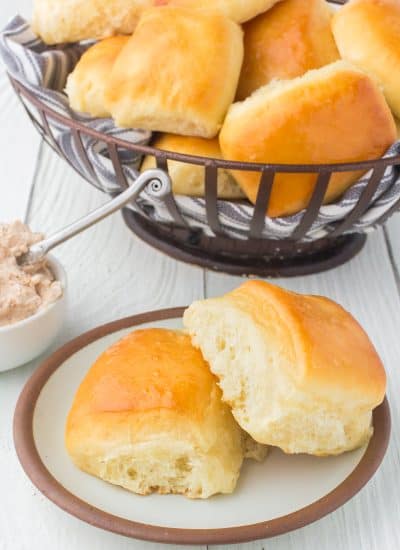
(44, 70)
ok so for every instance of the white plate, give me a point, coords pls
(276, 496)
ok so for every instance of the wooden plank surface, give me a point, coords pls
(19, 141)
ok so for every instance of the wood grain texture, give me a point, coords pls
(365, 286)
(18, 139)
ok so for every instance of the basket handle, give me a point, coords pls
(157, 184)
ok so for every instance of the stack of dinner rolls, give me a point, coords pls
(178, 412)
(267, 81)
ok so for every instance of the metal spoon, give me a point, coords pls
(157, 184)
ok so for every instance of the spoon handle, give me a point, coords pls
(158, 185)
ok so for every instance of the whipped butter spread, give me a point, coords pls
(24, 290)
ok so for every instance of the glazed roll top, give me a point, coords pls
(87, 83)
(73, 20)
(298, 371)
(148, 416)
(178, 73)
(286, 41)
(237, 10)
(367, 34)
(333, 114)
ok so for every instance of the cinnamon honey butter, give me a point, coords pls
(24, 290)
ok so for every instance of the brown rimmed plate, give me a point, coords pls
(272, 498)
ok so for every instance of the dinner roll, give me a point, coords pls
(330, 115)
(367, 34)
(286, 41)
(148, 416)
(397, 121)
(73, 20)
(86, 84)
(238, 10)
(188, 179)
(178, 73)
(298, 371)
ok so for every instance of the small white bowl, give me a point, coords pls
(25, 340)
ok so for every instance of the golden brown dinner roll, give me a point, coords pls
(397, 121)
(238, 10)
(178, 73)
(298, 371)
(188, 179)
(286, 41)
(86, 84)
(367, 34)
(148, 416)
(73, 20)
(330, 115)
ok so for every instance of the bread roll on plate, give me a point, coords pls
(238, 10)
(57, 21)
(188, 179)
(298, 371)
(329, 115)
(286, 41)
(149, 417)
(367, 34)
(178, 73)
(87, 82)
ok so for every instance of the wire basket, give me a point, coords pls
(216, 249)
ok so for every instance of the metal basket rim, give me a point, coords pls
(199, 160)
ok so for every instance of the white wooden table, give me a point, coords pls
(112, 274)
